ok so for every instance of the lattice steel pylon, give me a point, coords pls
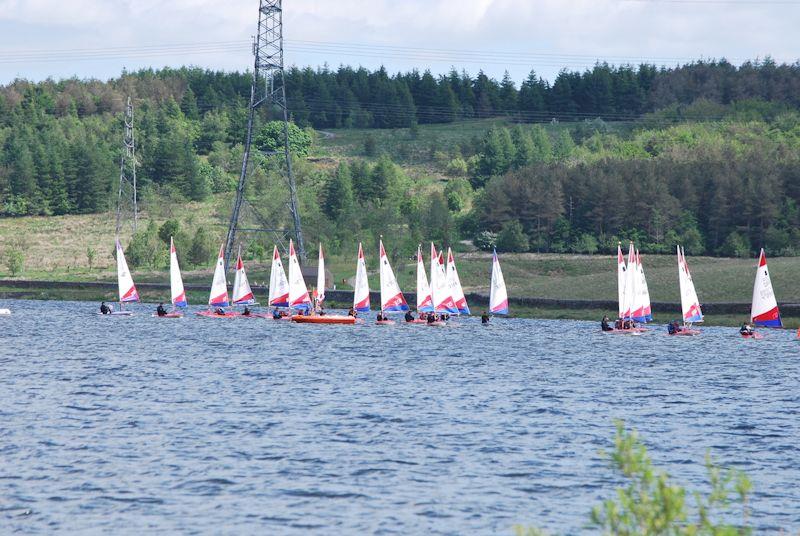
(268, 87)
(127, 204)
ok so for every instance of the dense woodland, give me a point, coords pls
(706, 154)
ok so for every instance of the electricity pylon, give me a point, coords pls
(267, 88)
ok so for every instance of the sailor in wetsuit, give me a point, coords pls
(104, 309)
(160, 311)
(409, 317)
(484, 318)
(604, 324)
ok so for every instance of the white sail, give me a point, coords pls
(127, 290)
(498, 297)
(278, 284)
(764, 310)
(219, 285)
(242, 293)
(442, 299)
(298, 293)
(621, 279)
(642, 310)
(424, 299)
(320, 277)
(630, 284)
(454, 283)
(178, 295)
(392, 299)
(361, 287)
(690, 305)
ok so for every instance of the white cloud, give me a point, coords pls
(558, 28)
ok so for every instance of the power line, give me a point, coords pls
(338, 49)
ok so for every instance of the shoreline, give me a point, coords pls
(717, 314)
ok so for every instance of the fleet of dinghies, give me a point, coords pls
(436, 298)
(634, 308)
(289, 297)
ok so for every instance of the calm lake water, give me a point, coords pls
(239, 426)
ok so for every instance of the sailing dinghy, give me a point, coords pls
(690, 305)
(127, 289)
(764, 310)
(218, 298)
(424, 299)
(242, 293)
(631, 301)
(498, 296)
(443, 302)
(392, 300)
(278, 285)
(454, 283)
(177, 293)
(296, 289)
(361, 286)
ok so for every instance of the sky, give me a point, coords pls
(98, 38)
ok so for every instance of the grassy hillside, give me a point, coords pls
(56, 250)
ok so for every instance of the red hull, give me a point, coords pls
(385, 322)
(324, 319)
(169, 315)
(755, 336)
(212, 314)
(685, 333)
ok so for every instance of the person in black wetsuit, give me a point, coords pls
(380, 316)
(352, 312)
(276, 314)
(484, 318)
(104, 309)
(604, 324)
(431, 318)
(246, 311)
(160, 311)
(746, 329)
(409, 316)
(220, 311)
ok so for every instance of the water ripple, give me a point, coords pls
(196, 426)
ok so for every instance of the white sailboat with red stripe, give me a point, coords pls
(454, 283)
(498, 295)
(442, 299)
(242, 293)
(125, 285)
(177, 293)
(642, 311)
(621, 279)
(392, 300)
(218, 297)
(424, 299)
(278, 283)
(361, 286)
(690, 304)
(298, 293)
(764, 310)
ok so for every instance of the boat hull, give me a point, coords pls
(685, 333)
(117, 313)
(324, 319)
(212, 314)
(755, 336)
(417, 321)
(169, 315)
(385, 322)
